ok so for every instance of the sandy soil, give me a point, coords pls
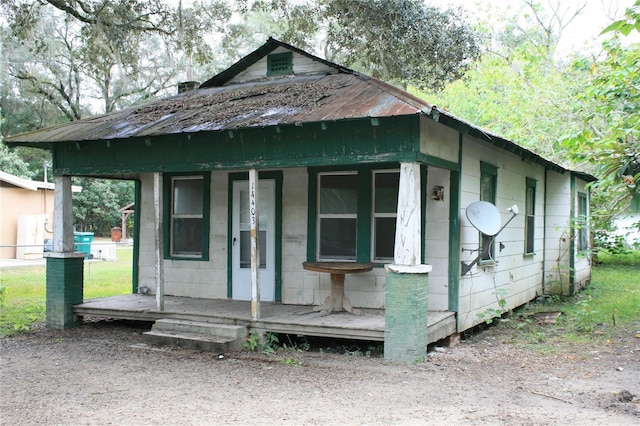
(102, 373)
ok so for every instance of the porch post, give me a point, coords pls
(405, 336)
(65, 267)
(157, 183)
(255, 243)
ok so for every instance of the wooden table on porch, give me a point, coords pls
(337, 301)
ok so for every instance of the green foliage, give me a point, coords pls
(630, 22)
(518, 90)
(267, 343)
(96, 207)
(610, 137)
(403, 41)
(608, 306)
(10, 162)
(69, 52)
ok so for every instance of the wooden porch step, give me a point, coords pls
(197, 335)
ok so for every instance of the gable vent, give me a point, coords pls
(279, 64)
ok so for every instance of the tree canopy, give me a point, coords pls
(406, 42)
(68, 59)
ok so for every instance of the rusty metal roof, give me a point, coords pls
(219, 105)
(287, 100)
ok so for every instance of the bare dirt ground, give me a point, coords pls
(103, 374)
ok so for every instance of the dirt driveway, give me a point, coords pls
(103, 374)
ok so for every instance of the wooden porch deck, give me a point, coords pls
(275, 318)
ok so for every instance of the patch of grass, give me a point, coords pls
(609, 305)
(24, 289)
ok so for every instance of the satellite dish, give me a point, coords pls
(485, 217)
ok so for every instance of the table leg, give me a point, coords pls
(337, 301)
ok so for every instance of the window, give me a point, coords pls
(337, 215)
(186, 217)
(279, 64)
(355, 214)
(582, 222)
(529, 224)
(385, 206)
(488, 185)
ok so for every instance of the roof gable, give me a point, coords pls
(254, 65)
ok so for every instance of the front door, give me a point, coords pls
(241, 240)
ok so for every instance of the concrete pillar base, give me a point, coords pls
(65, 282)
(406, 309)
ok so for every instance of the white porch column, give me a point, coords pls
(63, 216)
(157, 184)
(254, 218)
(407, 250)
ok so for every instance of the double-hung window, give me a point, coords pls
(356, 215)
(187, 213)
(530, 218)
(385, 207)
(582, 222)
(488, 186)
(337, 215)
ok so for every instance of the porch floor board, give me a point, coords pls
(275, 317)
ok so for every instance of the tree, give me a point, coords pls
(518, 89)
(402, 41)
(96, 207)
(610, 138)
(10, 162)
(116, 51)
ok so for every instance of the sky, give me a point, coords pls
(581, 34)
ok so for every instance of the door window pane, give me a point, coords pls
(245, 249)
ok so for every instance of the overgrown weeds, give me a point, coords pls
(608, 307)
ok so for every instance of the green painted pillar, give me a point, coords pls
(65, 267)
(406, 313)
(65, 282)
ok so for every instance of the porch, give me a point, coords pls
(276, 317)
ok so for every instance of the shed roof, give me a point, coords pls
(219, 104)
(30, 185)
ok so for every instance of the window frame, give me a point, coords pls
(582, 219)
(488, 171)
(320, 216)
(169, 216)
(365, 206)
(530, 217)
(375, 215)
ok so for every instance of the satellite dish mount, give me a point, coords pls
(485, 217)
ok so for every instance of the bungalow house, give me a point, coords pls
(290, 181)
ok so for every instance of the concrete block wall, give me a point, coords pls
(437, 240)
